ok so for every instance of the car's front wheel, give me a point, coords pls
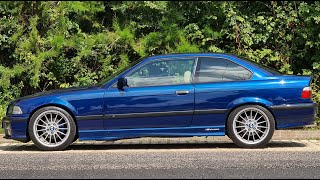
(251, 126)
(52, 128)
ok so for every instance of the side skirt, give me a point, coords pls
(116, 134)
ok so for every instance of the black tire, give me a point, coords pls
(75, 139)
(68, 139)
(265, 138)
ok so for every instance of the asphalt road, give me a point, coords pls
(280, 159)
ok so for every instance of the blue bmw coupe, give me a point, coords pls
(174, 95)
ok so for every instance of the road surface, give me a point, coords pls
(280, 159)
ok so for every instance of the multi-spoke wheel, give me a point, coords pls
(52, 128)
(251, 126)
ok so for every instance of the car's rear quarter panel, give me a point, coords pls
(268, 92)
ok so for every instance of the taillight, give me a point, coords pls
(306, 93)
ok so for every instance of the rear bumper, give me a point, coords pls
(294, 115)
(295, 106)
(15, 127)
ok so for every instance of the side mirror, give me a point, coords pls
(122, 82)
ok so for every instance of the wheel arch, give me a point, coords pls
(55, 105)
(250, 103)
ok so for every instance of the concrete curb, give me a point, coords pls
(278, 135)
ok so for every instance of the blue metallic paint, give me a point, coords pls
(18, 126)
(152, 132)
(81, 101)
(263, 88)
(148, 99)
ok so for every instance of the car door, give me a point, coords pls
(218, 81)
(160, 94)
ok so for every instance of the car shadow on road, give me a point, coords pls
(131, 146)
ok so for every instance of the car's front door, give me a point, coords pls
(160, 94)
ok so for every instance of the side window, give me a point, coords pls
(218, 69)
(236, 72)
(164, 72)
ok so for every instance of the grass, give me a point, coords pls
(313, 139)
(311, 128)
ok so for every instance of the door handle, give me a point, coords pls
(182, 92)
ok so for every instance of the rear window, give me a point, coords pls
(270, 70)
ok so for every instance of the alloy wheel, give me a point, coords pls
(251, 125)
(51, 128)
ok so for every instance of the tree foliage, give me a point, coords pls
(56, 44)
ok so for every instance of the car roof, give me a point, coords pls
(189, 55)
(259, 71)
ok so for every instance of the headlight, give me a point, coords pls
(16, 110)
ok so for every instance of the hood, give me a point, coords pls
(53, 92)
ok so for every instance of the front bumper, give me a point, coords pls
(6, 125)
(15, 127)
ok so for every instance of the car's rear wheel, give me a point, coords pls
(251, 126)
(52, 128)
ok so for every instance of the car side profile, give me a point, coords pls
(173, 95)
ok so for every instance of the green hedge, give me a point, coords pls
(51, 44)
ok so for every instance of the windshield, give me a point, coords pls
(118, 72)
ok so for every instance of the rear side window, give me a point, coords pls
(218, 70)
